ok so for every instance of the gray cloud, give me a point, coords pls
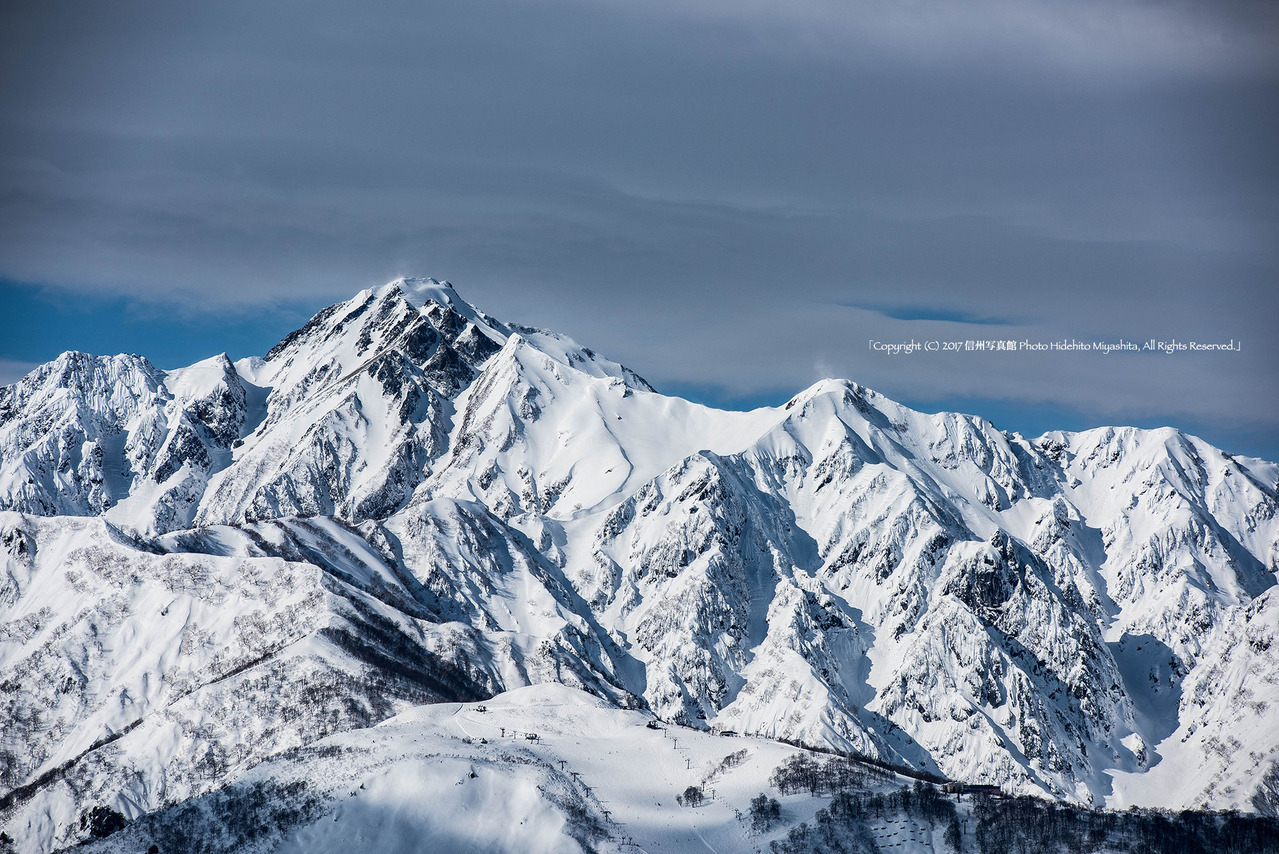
(718, 194)
(1091, 39)
(12, 370)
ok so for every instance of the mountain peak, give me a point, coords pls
(421, 290)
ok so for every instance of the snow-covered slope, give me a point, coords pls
(467, 777)
(407, 501)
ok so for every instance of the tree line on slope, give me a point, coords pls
(1001, 825)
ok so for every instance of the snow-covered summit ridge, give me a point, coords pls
(421, 291)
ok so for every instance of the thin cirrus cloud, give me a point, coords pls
(925, 312)
(723, 195)
(1091, 38)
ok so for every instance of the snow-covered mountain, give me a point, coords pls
(408, 502)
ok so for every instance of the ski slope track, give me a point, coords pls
(296, 577)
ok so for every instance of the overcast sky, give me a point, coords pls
(733, 198)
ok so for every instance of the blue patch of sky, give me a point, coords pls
(36, 325)
(719, 397)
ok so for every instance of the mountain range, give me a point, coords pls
(408, 506)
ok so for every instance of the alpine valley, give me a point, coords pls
(419, 579)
